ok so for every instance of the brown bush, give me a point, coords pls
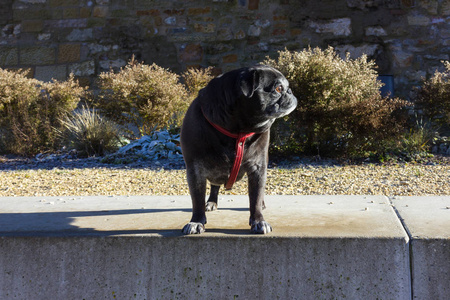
(340, 109)
(433, 98)
(147, 97)
(195, 79)
(30, 111)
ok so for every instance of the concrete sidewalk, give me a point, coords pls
(322, 247)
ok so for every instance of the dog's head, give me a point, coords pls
(248, 99)
(265, 94)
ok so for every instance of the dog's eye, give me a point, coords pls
(279, 89)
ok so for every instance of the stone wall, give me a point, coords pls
(407, 38)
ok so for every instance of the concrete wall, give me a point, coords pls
(322, 247)
(203, 268)
(52, 38)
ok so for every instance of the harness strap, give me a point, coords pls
(240, 143)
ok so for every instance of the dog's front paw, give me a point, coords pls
(211, 206)
(193, 228)
(261, 227)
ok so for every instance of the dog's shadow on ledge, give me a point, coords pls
(61, 224)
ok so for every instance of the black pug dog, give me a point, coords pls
(225, 134)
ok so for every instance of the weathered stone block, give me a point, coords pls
(85, 12)
(47, 73)
(199, 11)
(32, 25)
(263, 46)
(80, 35)
(219, 48)
(71, 13)
(37, 56)
(10, 31)
(31, 14)
(192, 52)
(253, 4)
(375, 31)
(355, 52)
(295, 31)
(97, 48)
(56, 13)
(9, 56)
(232, 58)
(239, 35)
(279, 31)
(430, 5)
(74, 23)
(170, 20)
(63, 2)
(33, 1)
(100, 11)
(263, 23)
(149, 12)
(178, 30)
(254, 30)
(205, 28)
(445, 9)
(96, 22)
(418, 20)
(224, 34)
(337, 27)
(44, 36)
(415, 76)
(69, 53)
(401, 58)
(174, 12)
(112, 64)
(362, 4)
(86, 68)
(281, 18)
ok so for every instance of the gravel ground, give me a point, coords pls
(82, 177)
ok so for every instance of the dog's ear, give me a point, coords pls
(249, 82)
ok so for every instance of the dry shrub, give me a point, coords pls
(89, 133)
(195, 79)
(30, 111)
(146, 97)
(340, 109)
(433, 99)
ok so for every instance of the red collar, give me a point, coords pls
(240, 142)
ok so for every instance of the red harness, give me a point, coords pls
(240, 142)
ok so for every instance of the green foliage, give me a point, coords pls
(30, 111)
(89, 133)
(147, 97)
(340, 109)
(433, 98)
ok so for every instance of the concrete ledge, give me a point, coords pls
(427, 220)
(322, 247)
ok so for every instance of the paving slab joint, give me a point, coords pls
(408, 232)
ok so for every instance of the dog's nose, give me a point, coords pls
(289, 91)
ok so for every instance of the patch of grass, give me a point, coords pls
(89, 133)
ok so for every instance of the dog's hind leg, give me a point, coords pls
(211, 205)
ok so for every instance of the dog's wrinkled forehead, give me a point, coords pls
(271, 76)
